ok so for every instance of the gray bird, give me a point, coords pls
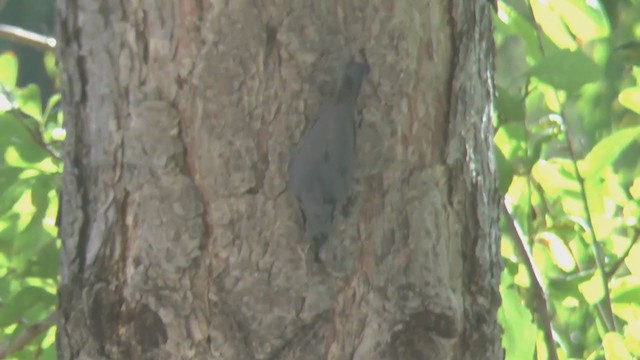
(322, 166)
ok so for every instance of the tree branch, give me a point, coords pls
(27, 336)
(26, 37)
(536, 282)
(607, 309)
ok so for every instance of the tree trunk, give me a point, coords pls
(180, 239)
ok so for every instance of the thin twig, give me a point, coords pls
(536, 281)
(609, 320)
(26, 37)
(621, 259)
(27, 336)
(604, 311)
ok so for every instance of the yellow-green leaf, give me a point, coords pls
(630, 98)
(614, 347)
(591, 289)
(8, 69)
(607, 151)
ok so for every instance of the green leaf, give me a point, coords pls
(566, 70)
(8, 176)
(632, 337)
(505, 171)
(25, 300)
(607, 151)
(8, 69)
(510, 139)
(560, 253)
(12, 194)
(29, 101)
(626, 290)
(8, 230)
(50, 65)
(586, 20)
(30, 240)
(40, 192)
(630, 98)
(633, 260)
(601, 215)
(51, 113)
(510, 108)
(552, 24)
(49, 353)
(512, 22)
(14, 135)
(519, 330)
(591, 289)
(45, 264)
(10, 130)
(554, 177)
(614, 347)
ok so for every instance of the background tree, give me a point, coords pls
(179, 240)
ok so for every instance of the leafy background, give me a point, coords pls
(30, 137)
(567, 130)
(566, 141)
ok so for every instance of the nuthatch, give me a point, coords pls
(322, 166)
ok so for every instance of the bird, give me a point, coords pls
(322, 165)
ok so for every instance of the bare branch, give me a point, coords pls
(26, 37)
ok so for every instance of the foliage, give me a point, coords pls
(567, 131)
(30, 166)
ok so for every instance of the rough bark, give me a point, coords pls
(180, 239)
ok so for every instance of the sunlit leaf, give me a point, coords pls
(29, 101)
(552, 24)
(49, 352)
(630, 98)
(510, 139)
(516, 320)
(631, 213)
(559, 251)
(51, 111)
(8, 69)
(607, 151)
(586, 20)
(634, 190)
(50, 65)
(15, 135)
(633, 260)
(553, 176)
(601, 208)
(625, 292)
(505, 171)
(614, 347)
(632, 337)
(12, 194)
(591, 289)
